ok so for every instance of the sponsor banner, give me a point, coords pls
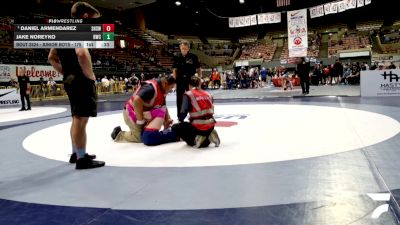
(5, 73)
(34, 72)
(297, 33)
(380, 83)
(386, 59)
(9, 97)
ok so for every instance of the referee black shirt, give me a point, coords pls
(185, 66)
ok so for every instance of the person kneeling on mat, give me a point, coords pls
(145, 113)
(198, 103)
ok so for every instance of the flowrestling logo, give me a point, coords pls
(9, 97)
(4, 94)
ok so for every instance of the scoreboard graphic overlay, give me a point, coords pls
(64, 33)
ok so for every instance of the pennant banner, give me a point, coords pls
(351, 4)
(327, 8)
(313, 12)
(297, 33)
(320, 10)
(253, 20)
(261, 19)
(247, 21)
(342, 6)
(317, 11)
(231, 22)
(334, 7)
(275, 17)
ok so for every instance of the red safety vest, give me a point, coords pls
(157, 101)
(201, 115)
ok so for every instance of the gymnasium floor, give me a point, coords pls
(286, 161)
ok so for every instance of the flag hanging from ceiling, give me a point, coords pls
(297, 33)
(280, 3)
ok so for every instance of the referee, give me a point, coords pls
(185, 66)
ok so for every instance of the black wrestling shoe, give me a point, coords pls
(88, 163)
(73, 157)
(115, 132)
(22, 109)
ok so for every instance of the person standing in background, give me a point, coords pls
(186, 65)
(303, 70)
(24, 87)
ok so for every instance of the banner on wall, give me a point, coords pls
(380, 83)
(9, 97)
(34, 72)
(297, 33)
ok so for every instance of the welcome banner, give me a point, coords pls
(34, 72)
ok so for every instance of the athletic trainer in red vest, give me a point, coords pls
(199, 104)
(145, 113)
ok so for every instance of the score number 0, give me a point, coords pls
(108, 27)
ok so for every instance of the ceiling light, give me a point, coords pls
(178, 3)
(241, 1)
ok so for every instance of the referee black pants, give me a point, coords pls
(181, 88)
(23, 97)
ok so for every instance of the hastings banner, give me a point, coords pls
(380, 83)
(297, 33)
(34, 72)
